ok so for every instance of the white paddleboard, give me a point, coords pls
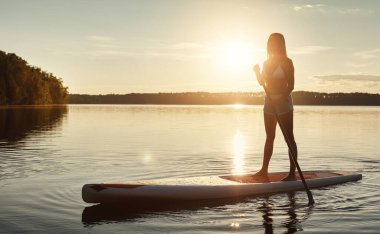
(209, 187)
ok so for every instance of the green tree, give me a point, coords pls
(22, 84)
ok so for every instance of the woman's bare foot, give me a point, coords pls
(290, 177)
(261, 173)
(261, 176)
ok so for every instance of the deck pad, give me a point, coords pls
(277, 177)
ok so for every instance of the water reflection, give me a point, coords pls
(122, 143)
(130, 211)
(266, 210)
(238, 153)
(26, 140)
(271, 212)
(292, 223)
(16, 123)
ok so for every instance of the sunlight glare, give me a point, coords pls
(147, 157)
(235, 225)
(238, 106)
(238, 150)
(235, 56)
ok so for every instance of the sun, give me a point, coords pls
(235, 56)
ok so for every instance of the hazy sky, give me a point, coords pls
(101, 47)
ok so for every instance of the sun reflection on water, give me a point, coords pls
(235, 225)
(147, 157)
(238, 106)
(238, 151)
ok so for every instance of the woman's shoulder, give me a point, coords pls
(288, 61)
(285, 61)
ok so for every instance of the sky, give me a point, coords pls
(145, 46)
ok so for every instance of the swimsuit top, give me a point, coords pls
(277, 85)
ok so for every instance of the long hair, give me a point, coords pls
(276, 46)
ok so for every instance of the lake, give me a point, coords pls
(47, 154)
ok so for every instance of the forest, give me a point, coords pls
(23, 84)
(205, 98)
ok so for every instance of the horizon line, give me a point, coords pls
(225, 92)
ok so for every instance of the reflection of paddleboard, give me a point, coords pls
(208, 187)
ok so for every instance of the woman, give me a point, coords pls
(278, 77)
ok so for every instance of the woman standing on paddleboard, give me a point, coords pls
(278, 78)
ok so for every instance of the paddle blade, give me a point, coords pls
(310, 196)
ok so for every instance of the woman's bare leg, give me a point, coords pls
(287, 123)
(270, 129)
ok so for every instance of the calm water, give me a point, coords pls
(47, 154)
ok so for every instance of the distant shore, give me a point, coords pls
(227, 98)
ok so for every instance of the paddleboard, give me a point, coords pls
(209, 187)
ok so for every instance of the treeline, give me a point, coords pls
(189, 98)
(339, 99)
(22, 84)
(205, 98)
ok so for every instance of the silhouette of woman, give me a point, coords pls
(278, 77)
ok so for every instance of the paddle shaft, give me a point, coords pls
(292, 151)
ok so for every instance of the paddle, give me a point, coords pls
(292, 153)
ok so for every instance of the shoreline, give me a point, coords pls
(168, 104)
(300, 98)
(226, 98)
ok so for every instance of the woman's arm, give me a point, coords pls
(290, 74)
(259, 76)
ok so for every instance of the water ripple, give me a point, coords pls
(44, 164)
